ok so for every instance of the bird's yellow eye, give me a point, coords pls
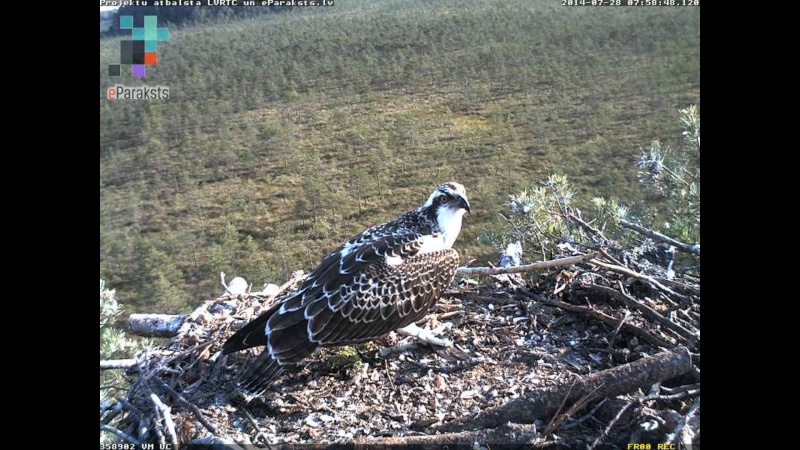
(444, 199)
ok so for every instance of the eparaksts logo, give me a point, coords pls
(120, 92)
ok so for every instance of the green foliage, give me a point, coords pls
(537, 216)
(673, 172)
(160, 281)
(542, 216)
(114, 345)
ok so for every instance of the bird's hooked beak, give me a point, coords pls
(464, 203)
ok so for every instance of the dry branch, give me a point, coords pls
(119, 434)
(117, 364)
(187, 404)
(647, 311)
(542, 403)
(158, 325)
(605, 318)
(568, 261)
(166, 413)
(683, 431)
(656, 236)
(632, 273)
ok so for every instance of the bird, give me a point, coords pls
(384, 279)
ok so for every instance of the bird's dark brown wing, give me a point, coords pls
(357, 295)
(344, 266)
(381, 298)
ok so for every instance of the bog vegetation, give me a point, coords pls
(285, 134)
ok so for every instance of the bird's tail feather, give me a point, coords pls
(260, 374)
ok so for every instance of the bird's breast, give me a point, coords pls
(433, 243)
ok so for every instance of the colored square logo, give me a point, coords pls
(125, 22)
(137, 70)
(142, 49)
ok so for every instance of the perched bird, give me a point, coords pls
(384, 279)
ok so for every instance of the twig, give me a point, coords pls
(568, 261)
(117, 364)
(632, 273)
(614, 260)
(683, 424)
(655, 235)
(144, 429)
(612, 423)
(162, 441)
(594, 231)
(254, 423)
(678, 389)
(167, 415)
(612, 321)
(647, 311)
(224, 284)
(187, 404)
(520, 234)
(575, 422)
(557, 419)
(111, 415)
(678, 396)
(119, 434)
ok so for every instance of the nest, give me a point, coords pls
(546, 359)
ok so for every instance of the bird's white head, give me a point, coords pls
(447, 206)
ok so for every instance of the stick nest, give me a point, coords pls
(514, 335)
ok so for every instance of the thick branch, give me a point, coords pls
(526, 268)
(543, 402)
(117, 364)
(656, 236)
(160, 325)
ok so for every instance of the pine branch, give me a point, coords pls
(568, 261)
(655, 235)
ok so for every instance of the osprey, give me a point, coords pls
(384, 279)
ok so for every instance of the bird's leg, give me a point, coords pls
(423, 335)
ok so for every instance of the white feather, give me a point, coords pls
(346, 249)
(394, 260)
(450, 224)
(432, 243)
